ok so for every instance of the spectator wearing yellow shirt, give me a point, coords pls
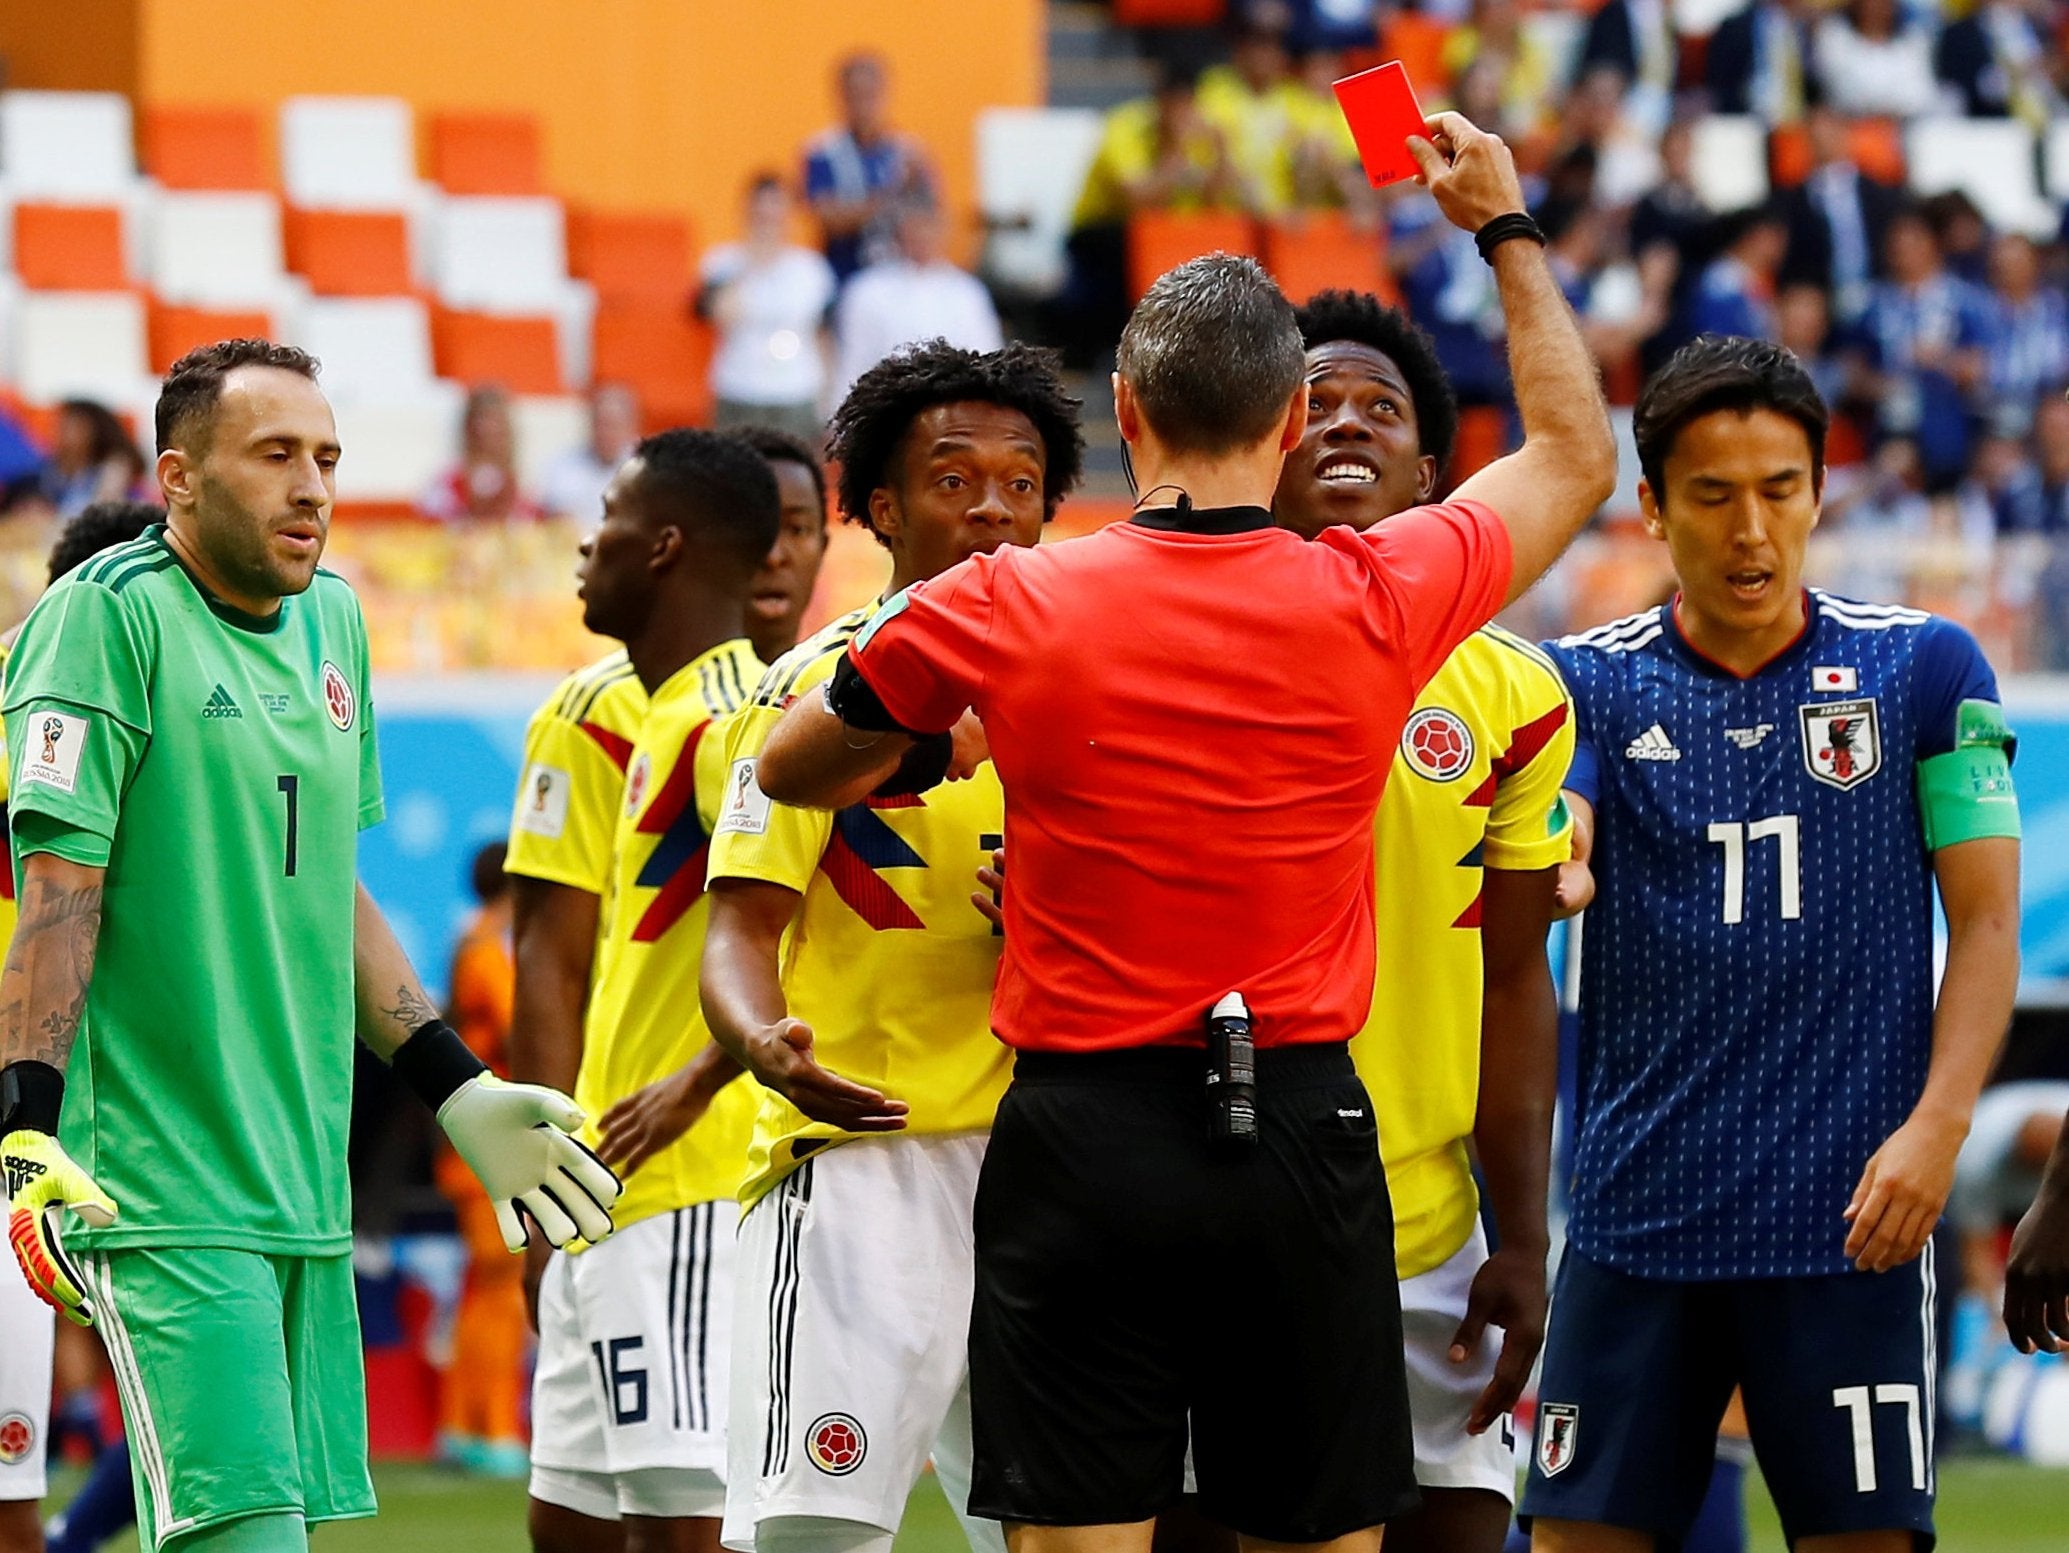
(1246, 100)
(1157, 153)
(1324, 164)
(1495, 37)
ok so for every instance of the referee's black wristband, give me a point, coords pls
(435, 1062)
(31, 1095)
(924, 767)
(1498, 231)
(855, 702)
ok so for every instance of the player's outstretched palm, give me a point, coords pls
(514, 1137)
(781, 1057)
(42, 1182)
(1508, 1292)
(643, 1124)
(1901, 1194)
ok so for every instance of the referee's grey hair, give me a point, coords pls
(1213, 355)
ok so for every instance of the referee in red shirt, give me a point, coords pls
(1193, 714)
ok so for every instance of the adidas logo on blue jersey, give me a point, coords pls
(1652, 744)
(220, 705)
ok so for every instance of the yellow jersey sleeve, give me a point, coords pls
(1528, 827)
(7, 903)
(576, 751)
(753, 838)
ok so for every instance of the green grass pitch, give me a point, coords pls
(1987, 1505)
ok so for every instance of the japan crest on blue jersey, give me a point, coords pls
(1756, 969)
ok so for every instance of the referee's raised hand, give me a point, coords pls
(781, 1057)
(1469, 172)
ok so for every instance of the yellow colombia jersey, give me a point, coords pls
(1475, 785)
(576, 749)
(886, 959)
(644, 1020)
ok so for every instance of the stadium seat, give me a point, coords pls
(1169, 13)
(1992, 161)
(2057, 153)
(663, 354)
(1483, 436)
(350, 253)
(348, 153)
(69, 247)
(1031, 165)
(372, 348)
(1417, 41)
(81, 344)
(547, 426)
(66, 145)
(217, 249)
(486, 153)
(627, 256)
(1160, 239)
(394, 447)
(499, 253)
(521, 354)
(205, 148)
(1729, 157)
(1311, 255)
(1875, 146)
(175, 330)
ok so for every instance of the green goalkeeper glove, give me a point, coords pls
(514, 1137)
(41, 1183)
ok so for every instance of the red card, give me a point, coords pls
(1380, 107)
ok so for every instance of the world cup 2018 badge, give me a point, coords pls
(1558, 1426)
(1842, 742)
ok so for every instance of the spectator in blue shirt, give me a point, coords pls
(1924, 335)
(2029, 344)
(1735, 294)
(857, 172)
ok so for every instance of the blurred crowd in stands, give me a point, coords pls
(1749, 171)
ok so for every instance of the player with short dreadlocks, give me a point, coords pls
(847, 968)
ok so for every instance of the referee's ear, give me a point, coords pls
(1296, 420)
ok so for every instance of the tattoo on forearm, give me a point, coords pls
(411, 1011)
(50, 964)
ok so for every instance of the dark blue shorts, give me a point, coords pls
(1838, 1379)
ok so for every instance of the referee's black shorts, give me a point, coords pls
(1138, 1285)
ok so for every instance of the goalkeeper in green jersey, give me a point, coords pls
(192, 758)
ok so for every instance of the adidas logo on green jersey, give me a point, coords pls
(220, 705)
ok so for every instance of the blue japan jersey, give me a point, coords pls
(1756, 969)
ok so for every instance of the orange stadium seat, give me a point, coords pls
(206, 148)
(1418, 42)
(1876, 146)
(519, 353)
(486, 153)
(630, 255)
(350, 253)
(1483, 436)
(176, 330)
(1160, 239)
(69, 248)
(1322, 251)
(660, 351)
(1170, 13)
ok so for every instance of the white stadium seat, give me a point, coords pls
(2058, 161)
(1989, 160)
(371, 348)
(1031, 165)
(394, 447)
(1729, 156)
(496, 254)
(348, 153)
(76, 146)
(217, 250)
(547, 426)
(79, 344)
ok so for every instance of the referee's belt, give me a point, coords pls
(1278, 1067)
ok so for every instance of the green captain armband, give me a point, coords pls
(1966, 794)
